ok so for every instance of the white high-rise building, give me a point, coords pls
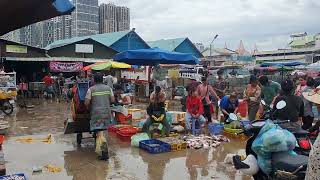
(12, 36)
(123, 18)
(113, 18)
(107, 18)
(85, 18)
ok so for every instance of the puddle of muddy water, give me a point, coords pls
(124, 163)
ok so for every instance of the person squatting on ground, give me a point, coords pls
(98, 100)
(156, 111)
(204, 91)
(194, 108)
(252, 95)
(229, 104)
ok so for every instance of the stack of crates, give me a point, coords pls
(138, 115)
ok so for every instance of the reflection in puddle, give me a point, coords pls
(80, 163)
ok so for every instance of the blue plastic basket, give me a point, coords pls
(244, 123)
(159, 147)
(14, 176)
(82, 90)
(215, 129)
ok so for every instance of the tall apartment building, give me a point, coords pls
(61, 27)
(48, 32)
(31, 35)
(12, 36)
(123, 18)
(113, 18)
(85, 18)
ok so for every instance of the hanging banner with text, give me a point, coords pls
(66, 66)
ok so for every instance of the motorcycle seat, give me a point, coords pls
(288, 162)
(300, 133)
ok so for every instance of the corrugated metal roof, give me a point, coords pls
(302, 42)
(106, 39)
(109, 39)
(166, 44)
(63, 59)
(218, 51)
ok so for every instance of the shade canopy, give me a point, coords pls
(99, 66)
(314, 66)
(154, 56)
(290, 64)
(15, 14)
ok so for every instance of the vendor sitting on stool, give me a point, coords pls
(156, 111)
(229, 104)
(194, 108)
(125, 100)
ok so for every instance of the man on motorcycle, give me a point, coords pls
(294, 109)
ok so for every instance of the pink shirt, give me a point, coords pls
(23, 86)
(205, 92)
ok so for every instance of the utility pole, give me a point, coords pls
(214, 38)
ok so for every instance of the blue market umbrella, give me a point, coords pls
(280, 64)
(15, 14)
(155, 56)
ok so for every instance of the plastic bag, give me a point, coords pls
(99, 142)
(271, 138)
(135, 139)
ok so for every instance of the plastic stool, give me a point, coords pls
(155, 126)
(195, 131)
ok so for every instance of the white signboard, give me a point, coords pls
(132, 75)
(84, 48)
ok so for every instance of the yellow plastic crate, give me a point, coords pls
(178, 146)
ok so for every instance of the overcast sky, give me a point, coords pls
(266, 23)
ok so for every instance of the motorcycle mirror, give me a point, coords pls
(233, 117)
(263, 102)
(281, 105)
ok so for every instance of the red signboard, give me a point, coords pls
(66, 66)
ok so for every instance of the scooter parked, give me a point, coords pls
(284, 165)
(303, 146)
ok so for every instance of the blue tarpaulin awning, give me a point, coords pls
(154, 56)
(15, 14)
(273, 64)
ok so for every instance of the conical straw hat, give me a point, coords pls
(312, 96)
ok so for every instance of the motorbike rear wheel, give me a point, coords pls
(7, 108)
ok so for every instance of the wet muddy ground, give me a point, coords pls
(80, 163)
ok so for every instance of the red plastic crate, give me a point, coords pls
(1, 139)
(122, 118)
(112, 128)
(128, 130)
(124, 137)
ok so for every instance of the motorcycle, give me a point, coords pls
(284, 165)
(6, 105)
(303, 146)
